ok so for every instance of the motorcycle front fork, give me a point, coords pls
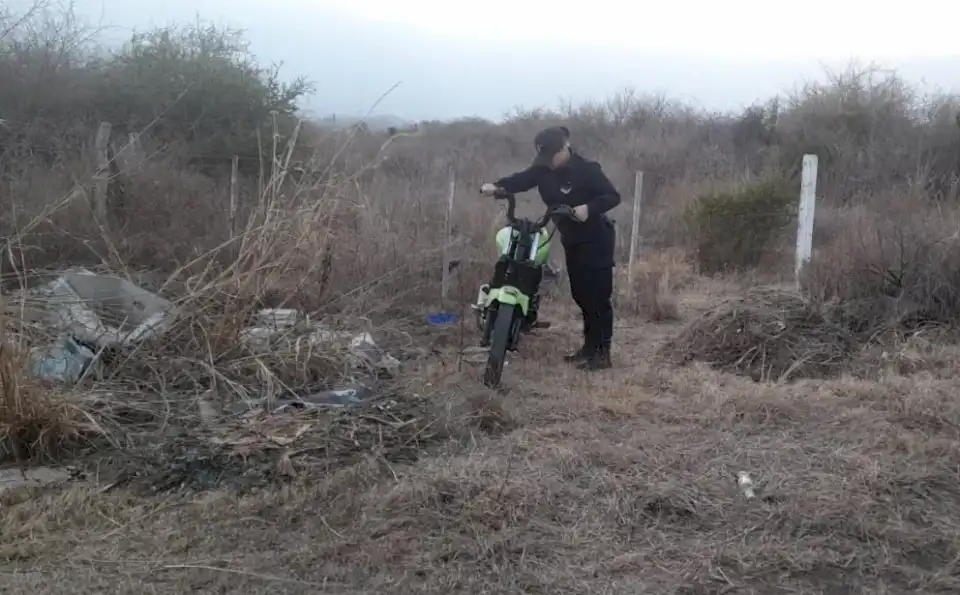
(483, 314)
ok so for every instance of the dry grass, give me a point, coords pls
(658, 278)
(37, 422)
(655, 297)
(621, 482)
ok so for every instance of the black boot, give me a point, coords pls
(599, 360)
(580, 355)
(589, 344)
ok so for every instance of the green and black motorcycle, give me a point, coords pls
(507, 306)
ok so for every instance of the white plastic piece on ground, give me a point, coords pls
(322, 335)
(347, 396)
(363, 349)
(150, 327)
(745, 484)
(106, 311)
(362, 342)
(389, 364)
(363, 346)
(277, 318)
(65, 361)
(258, 338)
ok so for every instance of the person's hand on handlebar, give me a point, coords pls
(489, 189)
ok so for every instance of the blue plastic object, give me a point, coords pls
(441, 319)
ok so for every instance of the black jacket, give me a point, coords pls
(580, 182)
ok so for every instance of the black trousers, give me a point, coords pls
(590, 267)
(592, 289)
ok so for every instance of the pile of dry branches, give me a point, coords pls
(768, 335)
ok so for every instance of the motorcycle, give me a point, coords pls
(508, 306)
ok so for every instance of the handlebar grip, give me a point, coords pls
(498, 193)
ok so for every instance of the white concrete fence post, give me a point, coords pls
(808, 199)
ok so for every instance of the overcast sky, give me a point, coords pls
(456, 58)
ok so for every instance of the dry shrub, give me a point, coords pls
(892, 268)
(880, 275)
(167, 216)
(57, 82)
(658, 279)
(768, 335)
(217, 287)
(895, 353)
(666, 221)
(655, 298)
(37, 423)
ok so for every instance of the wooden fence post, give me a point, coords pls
(634, 231)
(445, 279)
(234, 169)
(102, 175)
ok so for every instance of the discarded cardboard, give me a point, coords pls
(94, 312)
(65, 361)
(106, 311)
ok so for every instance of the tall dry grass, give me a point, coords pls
(36, 421)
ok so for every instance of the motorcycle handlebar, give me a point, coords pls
(562, 210)
(501, 194)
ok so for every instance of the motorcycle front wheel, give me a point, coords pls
(499, 342)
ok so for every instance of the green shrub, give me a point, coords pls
(733, 230)
(210, 91)
(195, 89)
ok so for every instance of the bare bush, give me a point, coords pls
(660, 277)
(894, 267)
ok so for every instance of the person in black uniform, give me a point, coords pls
(565, 178)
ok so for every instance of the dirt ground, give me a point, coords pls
(619, 482)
